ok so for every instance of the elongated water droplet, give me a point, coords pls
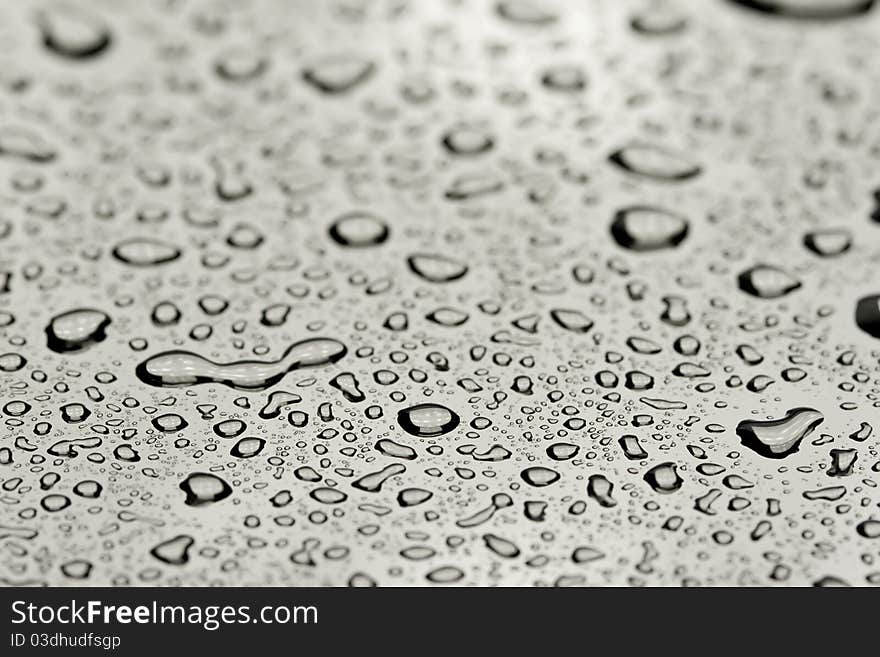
(183, 368)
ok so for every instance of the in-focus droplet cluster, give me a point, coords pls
(496, 292)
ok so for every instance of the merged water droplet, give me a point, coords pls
(184, 368)
(779, 438)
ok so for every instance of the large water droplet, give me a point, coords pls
(868, 315)
(76, 330)
(145, 252)
(425, 420)
(174, 551)
(539, 476)
(777, 439)
(203, 488)
(72, 32)
(820, 10)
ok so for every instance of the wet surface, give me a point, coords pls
(425, 293)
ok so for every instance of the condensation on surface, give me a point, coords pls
(439, 292)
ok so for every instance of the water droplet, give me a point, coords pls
(338, 74)
(143, 252)
(76, 330)
(819, 10)
(174, 551)
(184, 368)
(779, 438)
(767, 282)
(358, 230)
(203, 488)
(425, 420)
(437, 268)
(868, 315)
(72, 32)
(664, 478)
(539, 476)
(655, 162)
(646, 228)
